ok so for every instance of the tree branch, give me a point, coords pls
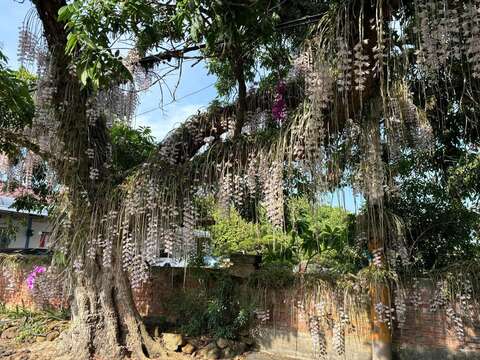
(152, 60)
(184, 142)
(23, 141)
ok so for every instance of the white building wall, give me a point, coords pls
(39, 225)
(20, 222)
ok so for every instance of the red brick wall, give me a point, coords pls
(433, 332)
(47, 292)
(163, 284)
(425, 335)
(287, 332)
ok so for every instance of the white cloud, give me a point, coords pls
(161, 122)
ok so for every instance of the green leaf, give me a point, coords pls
(84, 77)
(64, 13)
(72, 40)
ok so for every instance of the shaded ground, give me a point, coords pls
(25, 335)
(13, 350)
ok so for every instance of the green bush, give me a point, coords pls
(216, 311)
(314, 234)
(272, 276)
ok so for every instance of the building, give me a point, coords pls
(31, 230)
(22, 229)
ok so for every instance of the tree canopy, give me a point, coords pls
(377, 96)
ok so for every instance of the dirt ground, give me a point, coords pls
(13, 350)
(22, 339)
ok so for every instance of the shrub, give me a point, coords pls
(216, 311)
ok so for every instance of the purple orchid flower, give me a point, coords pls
(33, 275)
(279, 108)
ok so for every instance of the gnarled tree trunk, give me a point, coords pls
(105, 323)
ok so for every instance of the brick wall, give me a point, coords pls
(47, 292)
(432, 335)
(287, 332)
(162, 286)
(425, 334)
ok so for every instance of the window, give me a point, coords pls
(44, 239)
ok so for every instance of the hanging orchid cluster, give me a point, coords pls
(142, 78)
(225, 189)
(370, 179)
(385, 314)
(279, 109)
(361, 65)
(273, 191)
(252, 175)
(377, 258)
(17, 176)
(308, 145)
(27, 46)
(118, 103)
(415, 296)
(312, 67)
(456, 323)
(318, 338)
(448, 31)
(454, 294)
(339, 333)
(400, 307)
(189, 222)
(439, 298)
(344, 65)
(329, 313)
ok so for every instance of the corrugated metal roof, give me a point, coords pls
(7, 201)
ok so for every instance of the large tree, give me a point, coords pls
(82, 66)
(370, 90)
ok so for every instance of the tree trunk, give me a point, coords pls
(379, 291)
(381, 334)
(105, 323)
(242, 94)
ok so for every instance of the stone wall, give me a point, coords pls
(285, 317)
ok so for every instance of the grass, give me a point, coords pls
(30, 323)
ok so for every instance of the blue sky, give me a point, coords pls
(194, 93)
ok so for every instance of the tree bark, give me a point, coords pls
(379, 291)
(105, 323)
(381, 334)
(242, 94)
